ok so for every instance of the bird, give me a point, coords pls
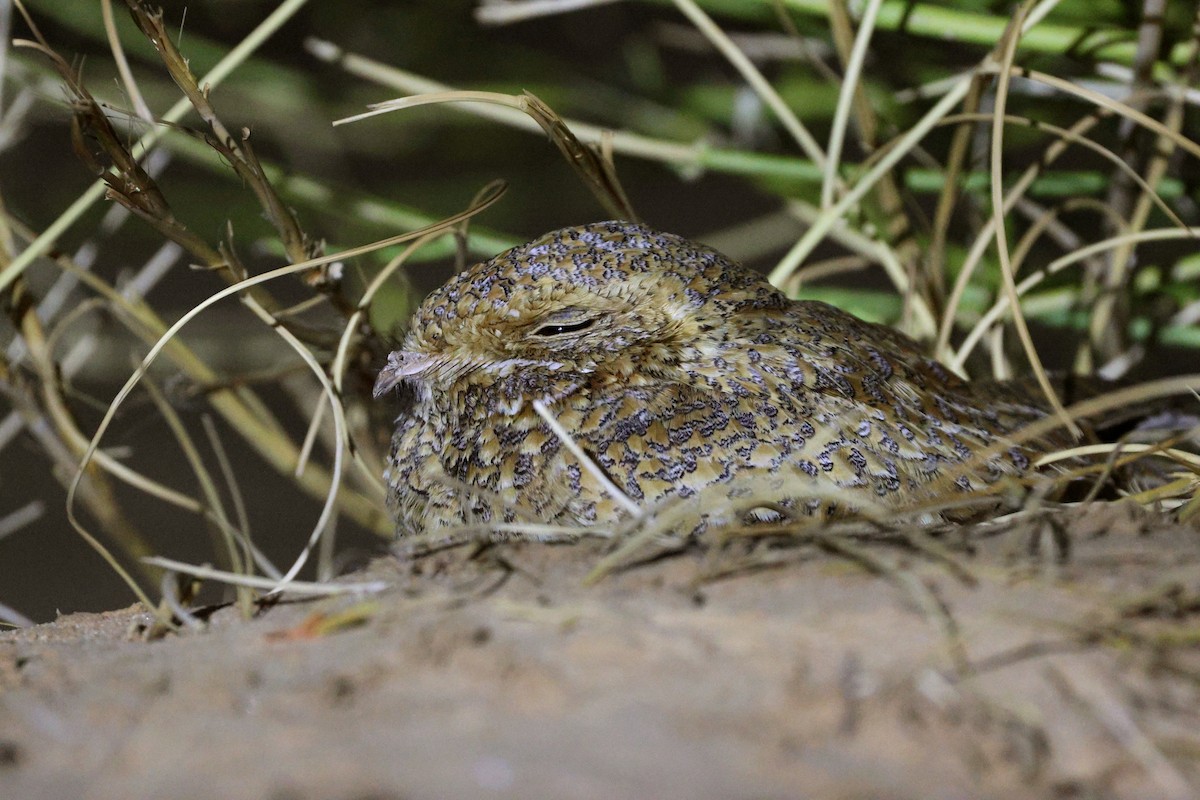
(677, 373)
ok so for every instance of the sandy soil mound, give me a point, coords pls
(1061, 660)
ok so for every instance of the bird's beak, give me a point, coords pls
(401, 364)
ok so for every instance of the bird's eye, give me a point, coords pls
(557, 328)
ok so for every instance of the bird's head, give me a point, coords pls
(611, 301)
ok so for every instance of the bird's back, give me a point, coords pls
(814, 400)
(676, 371)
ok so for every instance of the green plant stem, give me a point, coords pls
(950, 24)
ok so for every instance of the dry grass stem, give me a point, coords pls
(300, 588)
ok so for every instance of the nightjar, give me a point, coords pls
(674, 370)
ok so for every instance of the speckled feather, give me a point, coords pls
(675, 370)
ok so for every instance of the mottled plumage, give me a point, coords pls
(674, 369)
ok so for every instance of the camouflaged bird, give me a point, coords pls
(674, 369)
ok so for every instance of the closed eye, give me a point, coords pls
(555, 329)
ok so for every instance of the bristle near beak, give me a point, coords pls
(401, 364)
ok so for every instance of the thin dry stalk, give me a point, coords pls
(752, 76)
(45, 241)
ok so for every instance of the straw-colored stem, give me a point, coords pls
(45, 241)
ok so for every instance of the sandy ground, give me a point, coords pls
(1042, 674)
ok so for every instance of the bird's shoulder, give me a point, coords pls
(811, 347)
